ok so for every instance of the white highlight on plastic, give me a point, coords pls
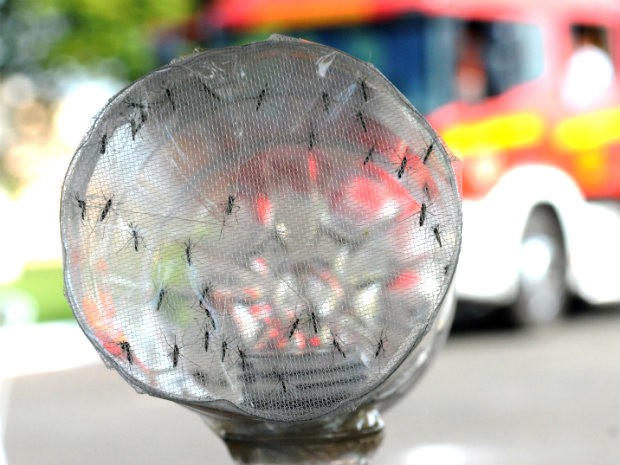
(324, 63)
(449, 454)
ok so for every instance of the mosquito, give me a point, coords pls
(281, 381)
(202, 302)
(160, 298)
(170, 99)
(368, 158)
(437, 236)
(103, 145)
(429, 150)
(242, 357)
(189, 247)
(210, 92)
(136, 238)
(261, 96)
(402, 167)
(360, 116)
(293, 328)
(325, 97)
(224, 349)
(200, 377)
(81, 203)
(422, 214)
(314, 322)
(381, 344)
(311, 140)
(338, 347)
(106, 209)
(137, 125)
(364, 89)
(228, 211)
(176, 353)
(126, 348)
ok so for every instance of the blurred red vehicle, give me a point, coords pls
(526, 93)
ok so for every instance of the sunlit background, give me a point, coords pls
(525, 93)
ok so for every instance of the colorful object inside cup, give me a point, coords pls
(265, 230)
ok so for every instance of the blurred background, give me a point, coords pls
(525, 93)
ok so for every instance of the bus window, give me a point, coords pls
(589, 70)
(422, 55)
(492, 57)
(412, 51)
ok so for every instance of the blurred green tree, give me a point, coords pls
(41, 34)
(44, 41)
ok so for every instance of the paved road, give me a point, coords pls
(548, 397)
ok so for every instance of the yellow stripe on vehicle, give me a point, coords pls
(512, 131)
(591, 131)
(591, 168)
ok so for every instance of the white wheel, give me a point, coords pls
(542, 268)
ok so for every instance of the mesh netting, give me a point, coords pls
(267, 228)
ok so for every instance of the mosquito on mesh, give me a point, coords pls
(260, 98)
(437, 236)
(360, 117)
(280, 380)
(424, 211)
(189, 249)
(229, 209)
(161, 295)
(210, 92)
(311, 139)
(81, 203)
(175, 354)
(226, 349)
(142, 107)
(203, 300)
(103, 144)
(315, 324)
(136, 237)
(369, 155)
(126, 349)
(242, 358)
(325, 98)
(402, 167)
(381, 344)
(363, 88)
(106, 210)
(428, 153)
(293, 328)
(422, 214)
(135, 127)
(313, 321)
(170, 99)
(200, 377)
(338, 346)
(207, 337)
(136, 124)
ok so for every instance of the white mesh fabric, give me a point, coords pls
(271, 227)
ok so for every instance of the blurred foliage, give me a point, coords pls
(45, 286)
(43, 34)
(8, 182)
